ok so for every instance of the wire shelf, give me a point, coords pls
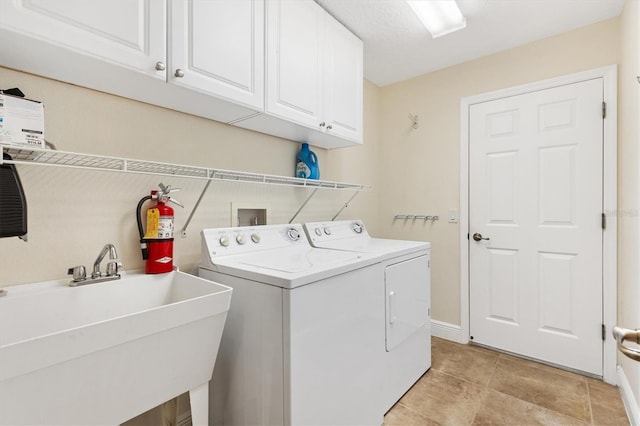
(20, 155)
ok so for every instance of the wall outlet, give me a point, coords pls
(453, 216)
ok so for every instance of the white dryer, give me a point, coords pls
(301, 344)
(405, 273)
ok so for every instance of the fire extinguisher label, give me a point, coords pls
(158, 227)
(165, 227)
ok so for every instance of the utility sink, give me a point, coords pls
(103, 353)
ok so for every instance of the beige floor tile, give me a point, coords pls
(501, 409)
(548, 389)
(470, 384)
(463, 361)
(401, 415)
(606, 404)
(444, 399)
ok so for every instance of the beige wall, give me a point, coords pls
(419, 169)
(628, 195)
(73, 213)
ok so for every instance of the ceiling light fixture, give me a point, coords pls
(440, 17)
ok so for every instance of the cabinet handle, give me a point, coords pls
(329, 127)
(322, 124)
(160, 66)
(179, 73)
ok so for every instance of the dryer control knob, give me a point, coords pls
(255, 238)
(293, 234)
(318, 231)
(240, 239)
(224, 241)
(327, 231)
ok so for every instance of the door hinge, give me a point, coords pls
(604, 109)
(604, 221)
(467, 236)
(604, 332)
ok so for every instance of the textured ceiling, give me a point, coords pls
(397, 47)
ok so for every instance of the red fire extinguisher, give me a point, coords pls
(157, 242)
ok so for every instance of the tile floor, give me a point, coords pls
(469, 385)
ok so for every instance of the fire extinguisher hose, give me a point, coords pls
(143, 242)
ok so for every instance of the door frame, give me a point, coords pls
(610, 170)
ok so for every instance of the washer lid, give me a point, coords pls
(293, 266)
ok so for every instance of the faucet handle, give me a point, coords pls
(113, 268)
(79, 273)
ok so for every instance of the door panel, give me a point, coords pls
(407, 303)
(294, 61)
(129, 33)
(536, 192)
(219, 46)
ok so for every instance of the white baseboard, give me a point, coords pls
(630, 403)
(447, 331)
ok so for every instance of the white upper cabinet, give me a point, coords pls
(217, 47)
(115, 46)
(294, 60)
(129, 33)
(314, 69)
(343, 81)
(299, 78)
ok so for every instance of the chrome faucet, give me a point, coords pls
(80, 274)
(108, 248)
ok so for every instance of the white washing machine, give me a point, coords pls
(302, 340)
(405, 273)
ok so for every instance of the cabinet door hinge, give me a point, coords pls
(604, 332)
(604, 109)
(604, 221)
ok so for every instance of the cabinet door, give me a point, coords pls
(217, 47)
(342, 86)
(294, 61)
(129, 33)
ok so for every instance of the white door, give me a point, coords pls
(535, 195)
(129, 33)
(217, 47)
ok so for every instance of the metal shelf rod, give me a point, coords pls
(303, 204)
(345, 205)
(183, 232)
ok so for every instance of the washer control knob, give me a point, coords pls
(327, 231)
(240, 239)
(318, 231)
(224, 241)
(357, 227)
(255, 238)
(293, 234)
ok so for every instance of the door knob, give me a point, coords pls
(623, 334)
(479, 237)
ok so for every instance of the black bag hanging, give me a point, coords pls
(13, 203)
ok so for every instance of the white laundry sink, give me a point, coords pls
(103, 353)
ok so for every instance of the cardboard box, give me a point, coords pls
(21, 122)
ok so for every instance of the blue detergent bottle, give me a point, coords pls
(307, 163)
